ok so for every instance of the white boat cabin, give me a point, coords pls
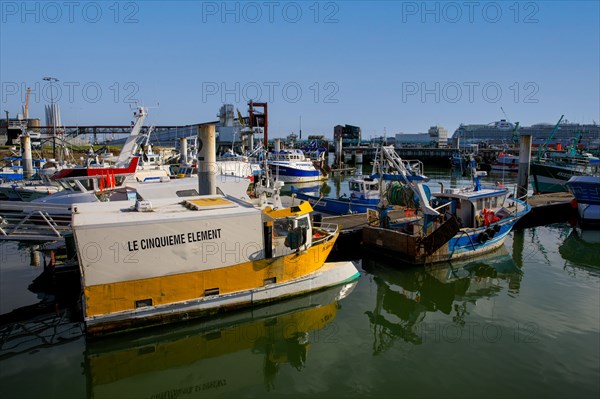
(472, 206)
(364, 187)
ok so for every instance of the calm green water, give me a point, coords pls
(521, 322)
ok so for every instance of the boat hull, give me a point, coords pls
(548, 178)
(289, 174)
(467, 243)
(340, 206)
(329, 275)
(586, 190)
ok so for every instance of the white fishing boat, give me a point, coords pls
(291, 166)
(506, 163)
(230, 163)
(177, 259)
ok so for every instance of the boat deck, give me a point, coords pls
(356, 221)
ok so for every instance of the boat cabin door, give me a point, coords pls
(291, 234)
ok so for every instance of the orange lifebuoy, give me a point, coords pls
(489, 217)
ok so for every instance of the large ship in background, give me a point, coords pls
(503, 132)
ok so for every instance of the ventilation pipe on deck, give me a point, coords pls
(207, 156)
(183, 151)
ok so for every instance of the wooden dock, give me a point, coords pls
(356, 221)
(545, 209)
(343, 171)
(349, 241)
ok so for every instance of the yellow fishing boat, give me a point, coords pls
(168, 260)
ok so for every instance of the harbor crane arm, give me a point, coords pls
(515, 134)
(542, 149)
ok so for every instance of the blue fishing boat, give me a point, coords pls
(454, 223)
(364, 195)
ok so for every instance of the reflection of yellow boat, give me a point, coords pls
(172, 259)
(214, 355)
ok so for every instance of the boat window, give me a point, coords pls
(88, 184)
(64, 185)
(71, 185)
(281, 227)
(353, 186)
(303, 222)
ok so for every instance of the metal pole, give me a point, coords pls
(52, 80)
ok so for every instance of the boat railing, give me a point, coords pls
(27, 222)
(323, 232)
(414, 166)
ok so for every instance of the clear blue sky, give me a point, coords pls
(402, 66)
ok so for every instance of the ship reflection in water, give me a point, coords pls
(197, 358)
(405, 298)
(581, 249)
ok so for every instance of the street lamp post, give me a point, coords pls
(52, 80)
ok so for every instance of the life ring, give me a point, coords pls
(489, 217)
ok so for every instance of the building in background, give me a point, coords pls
(436, 136)
(504, 132)
(439, 135)
(351, 135)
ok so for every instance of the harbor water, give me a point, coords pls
(521, 322)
